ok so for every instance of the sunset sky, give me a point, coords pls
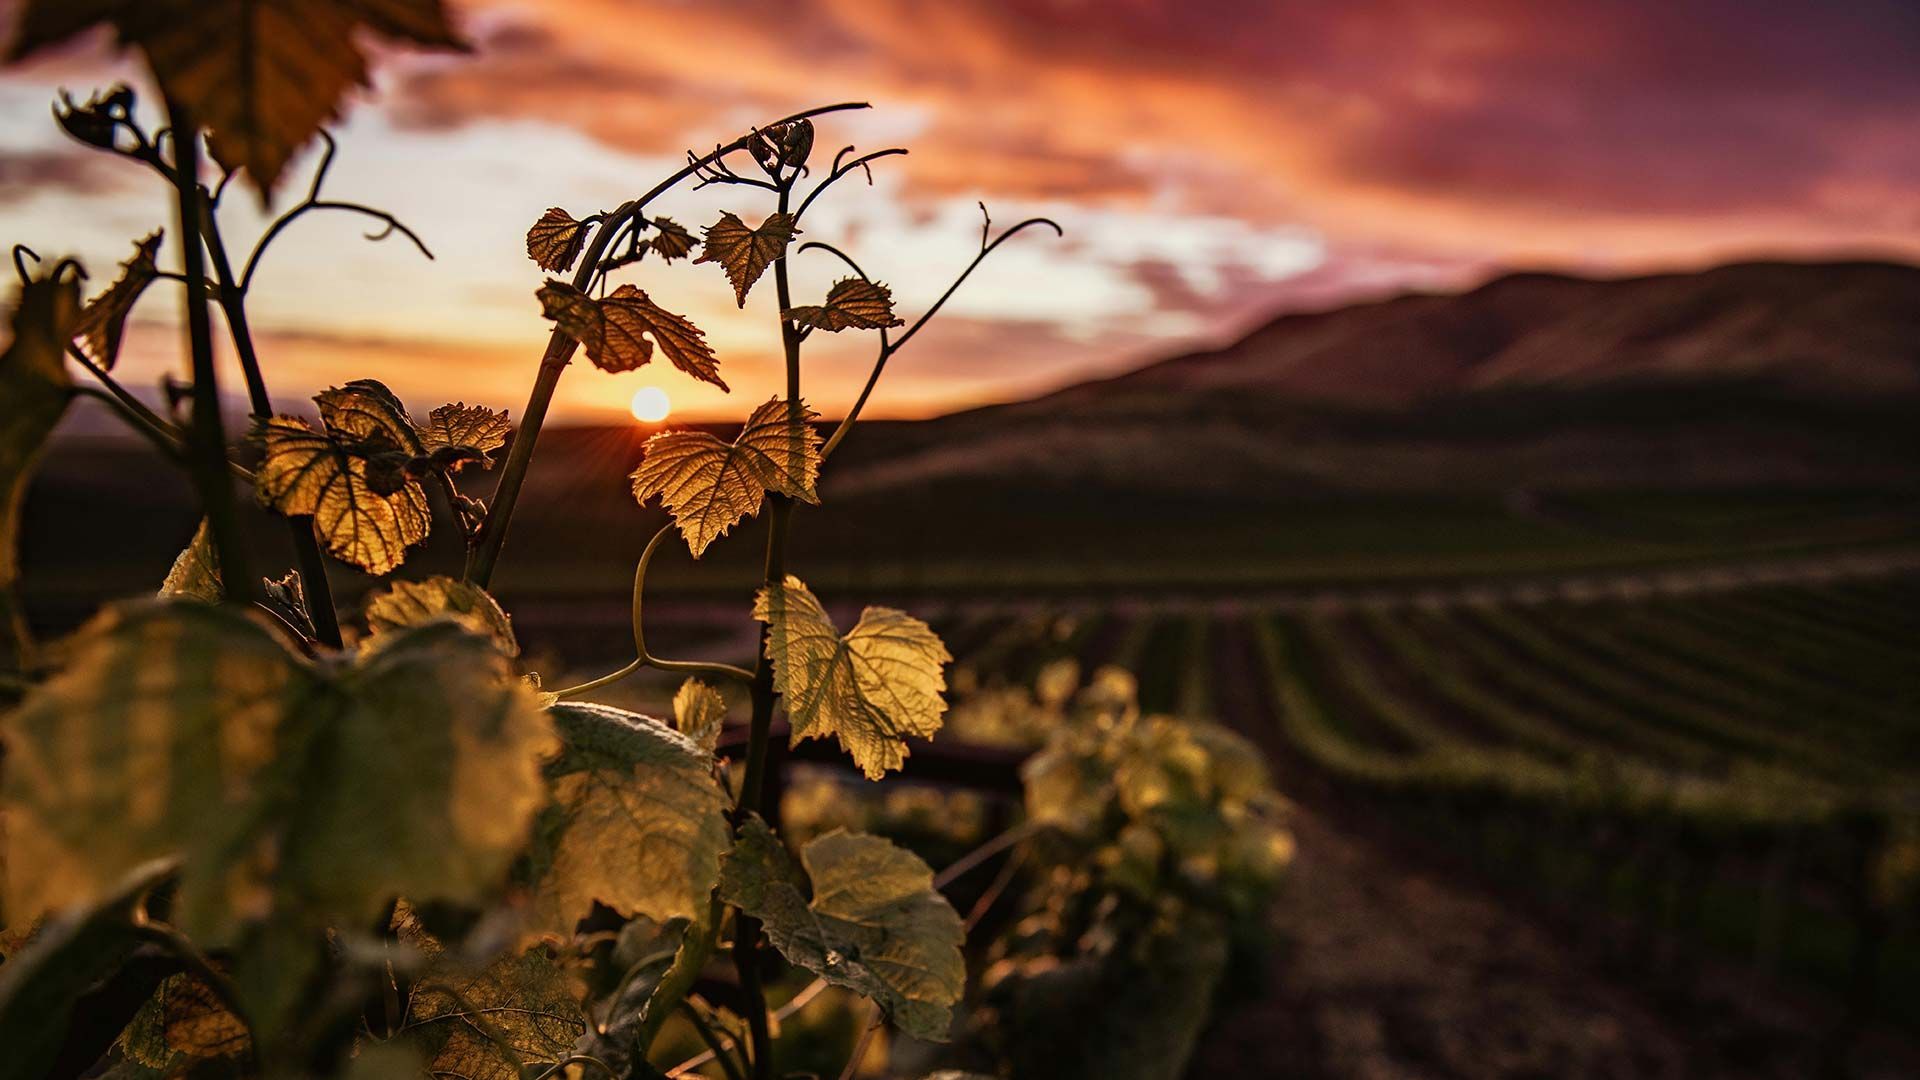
(1214, 163)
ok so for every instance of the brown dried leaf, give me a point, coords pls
(104, 319)
(264, 75)
(619, 332)
(670, 239)
(709, 485)
(555, 240)
(746, 253)
(852, 303)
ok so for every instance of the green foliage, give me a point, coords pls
(288, 790)
(636, 821)
(859, 912)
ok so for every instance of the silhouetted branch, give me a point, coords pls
(839, 170)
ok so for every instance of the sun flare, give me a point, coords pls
(651, 405)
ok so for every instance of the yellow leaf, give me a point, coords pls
(34, 387)
(671, 239)
(709, 485)
(700, 712)
(873, 689)
(196, 570)
(104, 319)
(307, 472)
(620, 331)
(365, 409)
(287, 790)
(863, 914)
(554, 242)
(746, 253)
(264, 75)
(411, 603)
(637, 821)
(852, 303)
(462, 427)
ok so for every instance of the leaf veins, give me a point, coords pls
(411, 603)
(312, 473)
(670, 239)
(555, 240)
(746, 253)
(619, 332)
(872, 689)
(456, 434)
(709, 485)
(859, 912)
(852, 303)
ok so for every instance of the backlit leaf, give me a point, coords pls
(619, 332)
(670, 239)
(40, 984)
(636, 822)
(709, 485)
(34, 387)
(746, 253)
(526, 1000)
(104, 319)
(555, 240)
(196, 570)
(458, 433)
(410, 603)
(287, 789)
(858, 911)
(308, 472)
(264, 75)
(852, 303)
(195, 1022)
(873, 689)
(699, 712)
(365, 409)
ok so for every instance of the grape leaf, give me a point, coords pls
(671, 239)
(410, 603)
(34, 386)
(852, 303)
(554, 242)
(637, 821)
(196, 570)
(264, 75)
(874, 923)
(615, 331)
(526, 999)
(699, 712)
(456, 434)
(104, 319)
(195, 1022)
(709, 485)
(309, 472)
(40, 984)
(366, 410)
(746, 253)
(287, 789)
(872, 689)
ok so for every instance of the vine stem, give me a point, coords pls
(643, 658)
(207, 441)
(493, 532)
(233, 303)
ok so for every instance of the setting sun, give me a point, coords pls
(651, 404)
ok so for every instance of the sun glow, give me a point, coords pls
(651, 405)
